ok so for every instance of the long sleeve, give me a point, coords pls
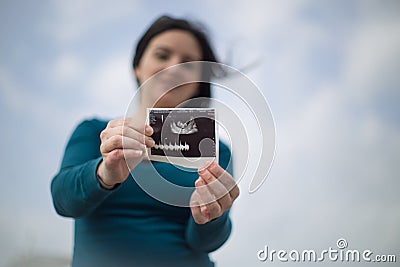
(212, 235)
(124, 225)
(75, 189)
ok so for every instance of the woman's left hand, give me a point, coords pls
(215, 193)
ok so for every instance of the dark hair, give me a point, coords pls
(165, 23)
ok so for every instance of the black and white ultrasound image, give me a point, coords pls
(183, 132)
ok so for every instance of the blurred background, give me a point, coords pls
(329, 70)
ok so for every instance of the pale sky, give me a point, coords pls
(329, 70)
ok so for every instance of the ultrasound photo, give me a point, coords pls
(183, 136)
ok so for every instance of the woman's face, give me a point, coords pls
(165, 50)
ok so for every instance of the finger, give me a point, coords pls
(205, 195)
(129, 132)
(208, 205)
(141, 128)
(217, 188)
(149, 130)
(132, 123)
(197, 215)
(145, 138)
(216, 169)
(225, 178)
(126, 132)
(214, 210)
(213, 182)
(115, 123)
(115, 156)
(234, 192)
(119, 130)
(120, 142)
(132, 157)
(132, 153)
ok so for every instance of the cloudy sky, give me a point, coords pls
(329, 70)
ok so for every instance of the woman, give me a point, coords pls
(116, 222)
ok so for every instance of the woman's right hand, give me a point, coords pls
(123, 144)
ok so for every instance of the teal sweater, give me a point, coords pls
(126, 226)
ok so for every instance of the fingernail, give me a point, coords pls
(152, 143)
(149, 130)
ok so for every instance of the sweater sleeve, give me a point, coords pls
(75, 189)
(210, 236)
